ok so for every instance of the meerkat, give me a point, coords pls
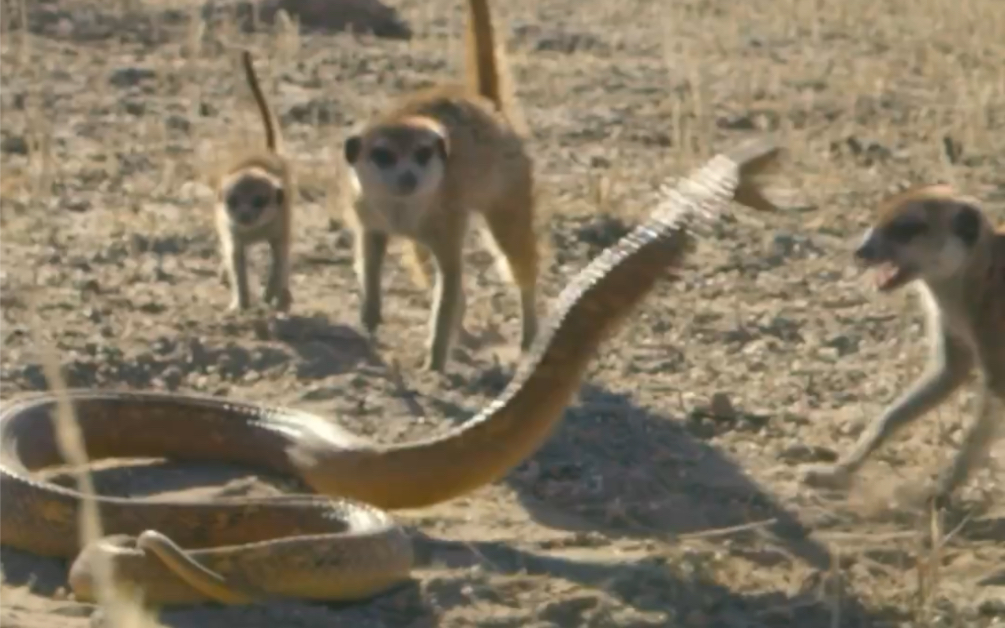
(945, 246)
(254, 204)
(421, 169)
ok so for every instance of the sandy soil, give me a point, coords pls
(651, 505)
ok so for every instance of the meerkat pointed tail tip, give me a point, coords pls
(263, 106)
(481, 64)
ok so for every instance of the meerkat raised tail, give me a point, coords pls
(945, 246)
(254, 204)
(420, 169)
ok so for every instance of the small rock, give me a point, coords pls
(14, 145)
(314, 111)
(78, 205)
(130, 77)
(329, 16)
(176, 122)
(603, 231)
(721, 406)
(800, 454)
(952, 148)
(134, 108)
(736, 122)
(992, 607)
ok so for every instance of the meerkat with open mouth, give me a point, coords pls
(945, 246)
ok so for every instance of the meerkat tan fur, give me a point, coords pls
(945, 246)
(254, 204)
(422, 168)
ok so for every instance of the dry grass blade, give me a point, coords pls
(120, 610)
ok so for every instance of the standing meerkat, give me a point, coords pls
(945, 245)
(254, 204)
(420, 169)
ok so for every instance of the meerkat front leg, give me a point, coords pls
(277, 290)
(950, 367)
(224, 272)
(371, 248)
(448, 306)
(237, 268)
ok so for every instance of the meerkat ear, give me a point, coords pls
(352, 147)
(967, 223)
(280, 196)
(442, 148)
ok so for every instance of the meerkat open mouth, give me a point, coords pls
(889, 276)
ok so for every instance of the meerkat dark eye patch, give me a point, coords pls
(442, 148)
(351, 148)
(259, 202)
(383, 157)
(905, 230)
(967, 224)
(423, 155)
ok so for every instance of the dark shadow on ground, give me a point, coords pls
(621, 469)
(324, 348)
(645, 584)
(649, 584)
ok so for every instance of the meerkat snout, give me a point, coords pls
(407, 182)
(868, 251)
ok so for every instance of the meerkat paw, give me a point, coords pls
(281, 299)
(370, 318)
(940, 494)
(238, 305)
(832, 476)
(434, 364)
(284, 300)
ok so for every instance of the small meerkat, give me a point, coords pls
(254, 204)
(421, 168)
(945, 246)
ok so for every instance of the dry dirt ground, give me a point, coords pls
(650, 505)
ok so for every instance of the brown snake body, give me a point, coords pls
(340, 544)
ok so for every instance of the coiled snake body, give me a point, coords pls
(340, 544)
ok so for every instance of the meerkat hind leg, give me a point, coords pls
(927, 392)
(975, 446)
(510, 229)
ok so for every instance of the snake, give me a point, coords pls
(341, 542)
